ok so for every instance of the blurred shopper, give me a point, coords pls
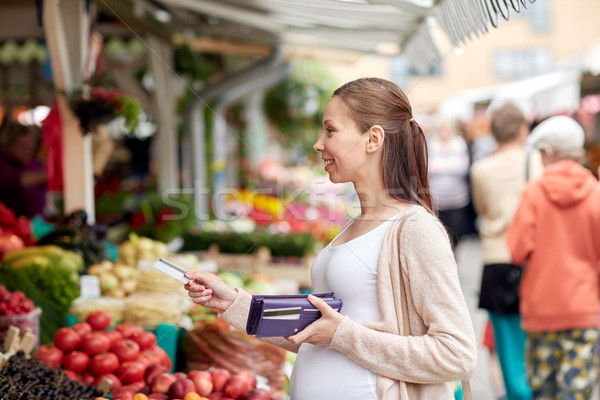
(23, 181)
(448, 165)
(556, 230)
(497, 181)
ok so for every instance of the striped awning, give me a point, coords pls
(390, 26)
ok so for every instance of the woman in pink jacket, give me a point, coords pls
(395, 245)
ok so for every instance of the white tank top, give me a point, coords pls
(349, 270)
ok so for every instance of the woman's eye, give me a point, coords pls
(329, 130)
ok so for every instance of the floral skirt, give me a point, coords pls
(563, 364)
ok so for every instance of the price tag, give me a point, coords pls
(90, 286)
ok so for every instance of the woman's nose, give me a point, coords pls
(318, 146)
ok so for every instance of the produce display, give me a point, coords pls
(74, 234)
(15, 232)
(211, 384)
(283, 245)
(91, 352)
(216, 344)
(151, 309)
(49, 276)
(141, 248)
(82, 307)
(14, 303)
(116, 279)
(28, 378)
(17, 310)
(109, 351)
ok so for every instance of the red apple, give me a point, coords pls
(180, 375)
(181, 387)
(125, 389)
(144, 390)
(153, 370)
(249, 376)
(158, 396)
(257, 394)
(219, 377)
(236, 386)
(215, 396)
(202, 380)
(162, 382)
(138, 385)
(123, 396)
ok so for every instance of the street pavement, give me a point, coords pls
(470, 264)
(469, 261)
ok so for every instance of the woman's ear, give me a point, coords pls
(547, 155)
(376, 135)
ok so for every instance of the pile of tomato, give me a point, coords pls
(90, 352)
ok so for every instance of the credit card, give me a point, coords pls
(170, 269)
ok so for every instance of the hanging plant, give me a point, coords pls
(99, 105)
(295, 106)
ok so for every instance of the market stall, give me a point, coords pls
(82, 292)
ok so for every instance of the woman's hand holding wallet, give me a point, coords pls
(320, 332)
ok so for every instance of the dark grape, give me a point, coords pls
(25, 378)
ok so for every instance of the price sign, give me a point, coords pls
(90, 287)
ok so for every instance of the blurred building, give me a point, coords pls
(551, 40)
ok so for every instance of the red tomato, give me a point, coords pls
(49, 355)
(76, 361)
(126, 350)
(128, 329)
(72, 375)
(115, 383)
(66, 339)
(88, 378)
(145, 339)
(95, 343)
(104, 363)
(82, 328)
(161, 356)
(113, 335)
(99, 320)
(131, 371)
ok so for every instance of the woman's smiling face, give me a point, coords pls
(341, 144)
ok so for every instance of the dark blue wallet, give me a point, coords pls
(285, 315)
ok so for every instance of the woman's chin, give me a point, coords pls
(336, 179)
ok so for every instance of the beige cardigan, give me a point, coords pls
(442, 344)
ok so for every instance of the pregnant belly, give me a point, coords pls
(323, 373)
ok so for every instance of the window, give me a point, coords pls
(538, 15)
(401, 70)
(521, 63)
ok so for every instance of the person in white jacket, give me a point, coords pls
(396, 245)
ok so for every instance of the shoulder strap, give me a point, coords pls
(410, 387)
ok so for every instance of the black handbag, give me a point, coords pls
(499, 291)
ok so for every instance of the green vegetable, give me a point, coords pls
(281, 245)
(51, 283)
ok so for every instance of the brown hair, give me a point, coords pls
(11, 131)
(375, 101)
(506, 122)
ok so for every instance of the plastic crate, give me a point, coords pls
(30, 320)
